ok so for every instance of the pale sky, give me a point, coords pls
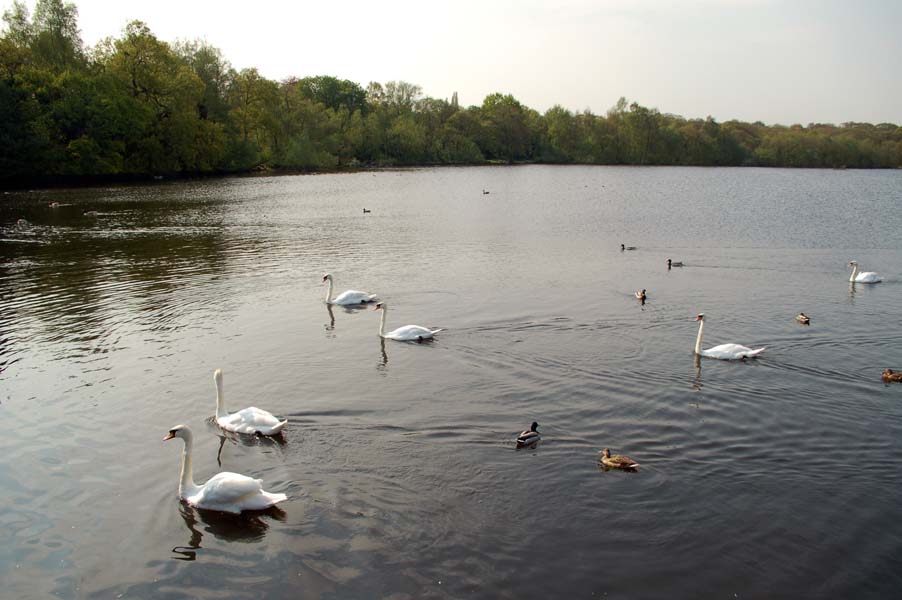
(777, 61)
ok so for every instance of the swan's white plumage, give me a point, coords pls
(226, 491)
(411, 332)
(407, 333)
(866, 277)
(249, 420)
(723, 351)
(731, 352)
(347, 298)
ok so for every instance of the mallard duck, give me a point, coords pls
(366, 210)
(641, 295)
(671, 263)
(803, 319)
(890, 376)
(617, 461)
(530, 436)
(624, 247)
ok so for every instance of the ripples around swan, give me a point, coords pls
(765, 478)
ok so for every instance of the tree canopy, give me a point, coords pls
(138, 106)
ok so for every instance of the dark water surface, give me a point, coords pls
(778, 477)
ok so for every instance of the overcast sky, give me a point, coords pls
(790, 61)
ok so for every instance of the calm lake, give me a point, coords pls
(775, 477)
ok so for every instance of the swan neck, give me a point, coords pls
(329, 291)
(698, 340)
(186, 478)
(382, 322)
(220, 400)
(854, 272)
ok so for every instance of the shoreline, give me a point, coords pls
(92, 181)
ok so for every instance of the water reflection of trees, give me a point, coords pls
(82, 277)
(248, 527)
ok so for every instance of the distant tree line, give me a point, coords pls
(138, 106)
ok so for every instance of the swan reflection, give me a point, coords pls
(246, 527)
(383, 365)
(697, 380)
(246, 439)
(331, 324)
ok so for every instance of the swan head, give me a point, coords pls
(327, 277)
(379, 306)
(180, 431)
(853, 263)
(217, 376)
(700, 317)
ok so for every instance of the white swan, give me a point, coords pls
(228, 492)
(724, 351)
(347, 298)
(247, 420)
(406, 333)
(867, 277)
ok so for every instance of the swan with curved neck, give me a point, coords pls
(866, 277)
(723, 351)
(407, 333)
(250, 420)
(348, 298)
(225, 491)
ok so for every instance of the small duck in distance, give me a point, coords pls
(617, 461)
(641, 295)
(803, 319)
(529, 437)
(366, 210)
(485, 192)
(54, 205)
(890, 376)
(90, 213)
(624, 247)
(671, 263)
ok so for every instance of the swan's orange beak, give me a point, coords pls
(169, 436)
(698, 318)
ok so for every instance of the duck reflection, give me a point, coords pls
(247, 527)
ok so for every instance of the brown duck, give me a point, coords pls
(617, 461)
(890, 376)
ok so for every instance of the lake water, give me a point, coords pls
(776, 477)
